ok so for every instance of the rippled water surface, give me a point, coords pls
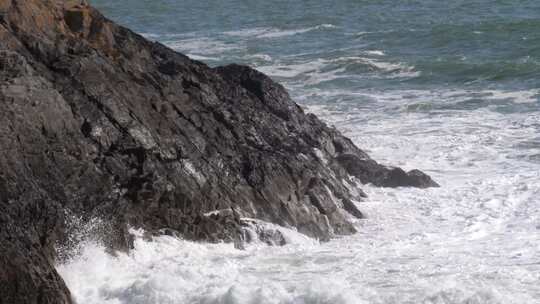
(449, 87)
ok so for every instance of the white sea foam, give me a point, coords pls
(321, 70)
(264, 57)
(292, 70)
(203, 47)
(363, 33)
(151, 36)
(390, 69)
(412, 100)
(170, 270)
(529, 96)
(272, 32)
(250, 32)
(202, 58)
(291, 236)
(375, 52)
(284, 33)
(155, 36)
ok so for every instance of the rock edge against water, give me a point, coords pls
(99, 121)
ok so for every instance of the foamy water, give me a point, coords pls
(456, 97)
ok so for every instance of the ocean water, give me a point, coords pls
(449, 87)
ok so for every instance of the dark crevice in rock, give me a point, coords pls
(86, 128)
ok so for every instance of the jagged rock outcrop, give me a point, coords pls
(97, 120)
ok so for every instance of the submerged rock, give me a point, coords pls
(98, 120)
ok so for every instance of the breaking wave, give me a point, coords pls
(273, 32)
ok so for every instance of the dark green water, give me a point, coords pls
(427, 45)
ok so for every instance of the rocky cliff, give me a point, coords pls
(99, 122)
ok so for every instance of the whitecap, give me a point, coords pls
(277, 33)
(290, 235)
(203, 46)
(292, 70)
(375, 53)
(151, 36)
(202, 58)
(273, 32)
(521, 96)
(322, 70)
(250, 32)
(264, 57)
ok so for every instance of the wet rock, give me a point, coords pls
(254, 231)
(414, 178)
(99, 121)
(368, 171)
(27, 273)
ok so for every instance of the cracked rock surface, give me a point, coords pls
(99, 121)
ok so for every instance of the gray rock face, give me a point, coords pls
(100, 121)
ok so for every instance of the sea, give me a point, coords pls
(448, 87)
